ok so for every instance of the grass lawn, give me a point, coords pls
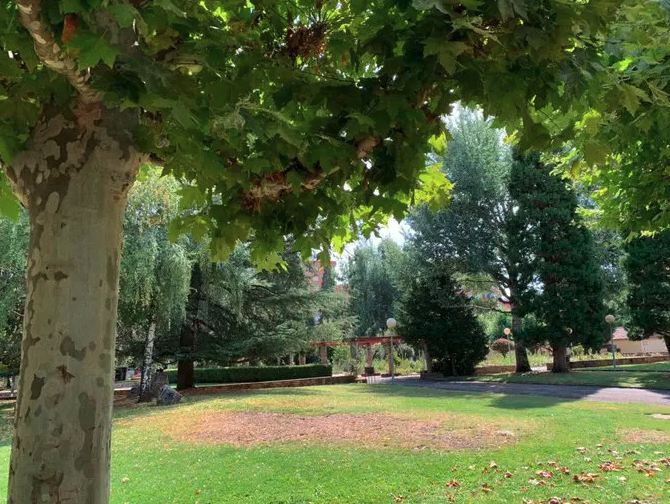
(382, 444)
(628, 379)
(663, 367)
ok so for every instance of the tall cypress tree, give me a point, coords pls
(647, 266)
(568, 288)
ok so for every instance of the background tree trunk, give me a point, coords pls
(189, 333)
(428, 357)
(666, 339)
(73, 179)
(148, 364)
(560, 359)
(520, 352)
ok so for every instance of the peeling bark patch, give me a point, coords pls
(108, 304)
(92, 346)
(99, 382)
(59, 275)
(67, 347)
(87, 409)
(36, 387)
(58, 431)
(105, 362)
(107, 342)
(65, 375)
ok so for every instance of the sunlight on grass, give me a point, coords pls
(554, 440)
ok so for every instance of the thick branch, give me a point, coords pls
(50, 52)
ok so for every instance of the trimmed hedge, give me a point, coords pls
(242, 374)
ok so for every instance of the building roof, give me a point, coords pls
(620, 333)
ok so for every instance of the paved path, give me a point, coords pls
(589, 393)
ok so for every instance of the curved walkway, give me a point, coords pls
(589, 393)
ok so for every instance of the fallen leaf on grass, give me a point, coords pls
(535, 482)
(545, 474)
(586, 477)
(507, 474)
(610, 467)
(582, 450)
(398, 498)
(125, 480)
(493, 465)
(453, 484)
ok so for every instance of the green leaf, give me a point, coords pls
(256, 165)
(363, 120)
(124, 14)
(446, 51)
(71, 6)
(183, 115)
(594, 153)
(92, 49)
(9, 207)
(295, 180)
(9, 68)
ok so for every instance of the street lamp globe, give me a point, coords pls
(610, 319)
(507, 331)
(391, 323)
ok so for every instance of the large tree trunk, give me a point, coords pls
(189, 332)
(148, 365)
(560, 359)
(520, 352)
(73, 179)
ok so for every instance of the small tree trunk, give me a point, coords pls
(147, 364)
(185, 367)
(520, 353)
(291, 359)
(303, 359)
(560, 359)
(73, 179)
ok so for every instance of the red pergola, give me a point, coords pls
(366, 341)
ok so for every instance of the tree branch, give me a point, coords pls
(50, 53)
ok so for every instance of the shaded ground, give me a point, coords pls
(591, 393)
(247, 429)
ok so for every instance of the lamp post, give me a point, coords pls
(507, 333)
(391, 324)
(610, 320)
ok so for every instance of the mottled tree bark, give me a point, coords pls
(73, 179)
(148, 364)
(560, 359)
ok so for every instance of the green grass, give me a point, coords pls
(631, 379)
(536, 360)
(663, 367)
(162, 468)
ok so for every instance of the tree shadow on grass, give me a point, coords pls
(498, 400)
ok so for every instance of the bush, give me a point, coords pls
(502, 346)
(244, 374)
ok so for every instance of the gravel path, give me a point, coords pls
(589, 393)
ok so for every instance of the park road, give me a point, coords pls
(589, 393)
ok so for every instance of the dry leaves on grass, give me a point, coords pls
(610, 467)
(586, 477)
(644, 436)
